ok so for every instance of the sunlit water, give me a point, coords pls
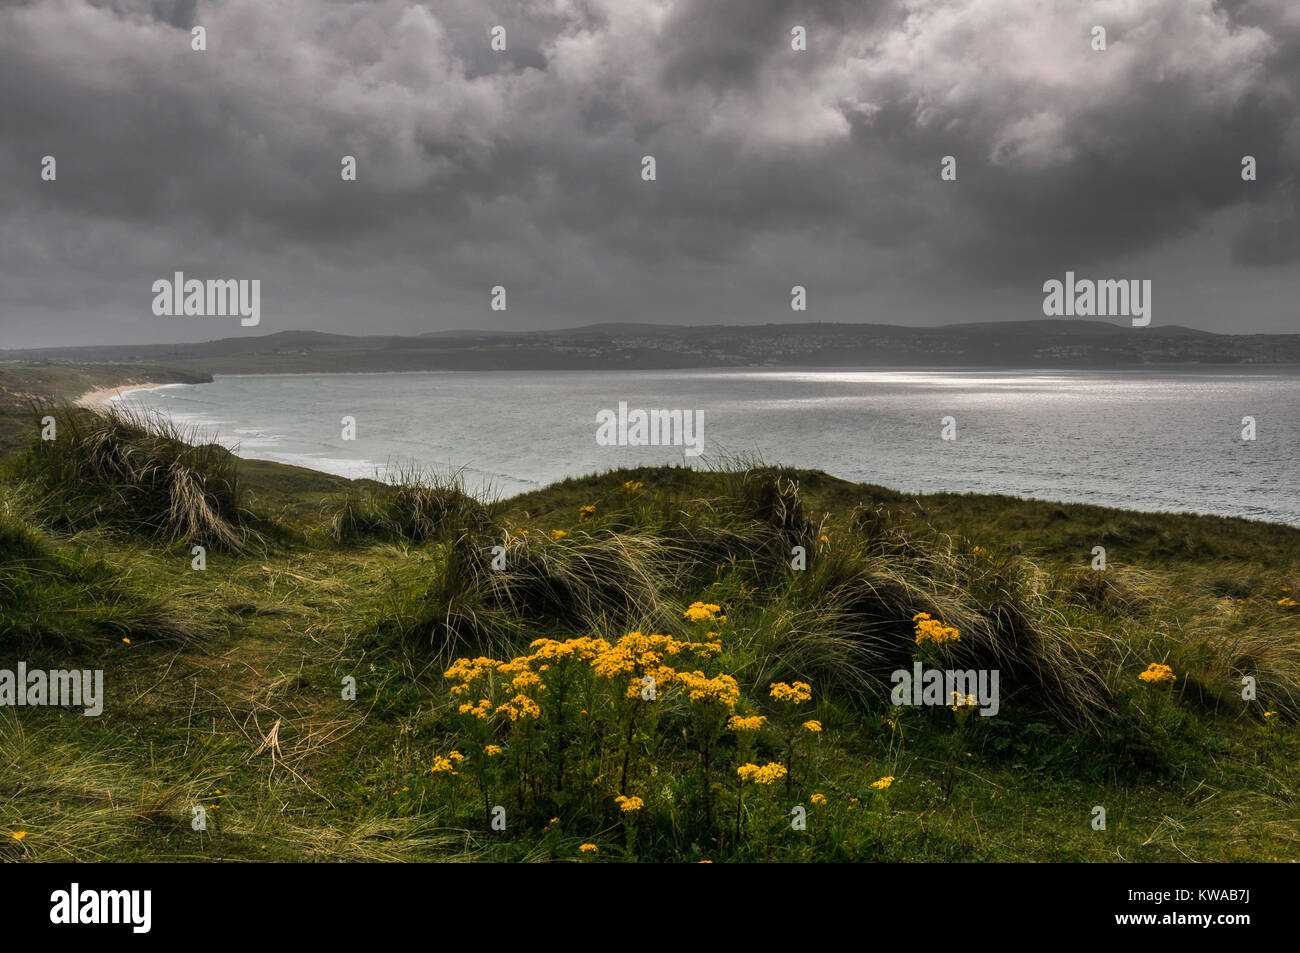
(1148, 440)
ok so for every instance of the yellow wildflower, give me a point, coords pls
(933, 631)
(482, 710)
(1157, 673)
(521, 706)
(629, 804)
(443, 766)
(814, 726)
(770, 773)
(525, 680)
(792, 694)
(703, 612)
(721, 689)
(752, 723)
(467, 670)
(883, 783)
(588, 848)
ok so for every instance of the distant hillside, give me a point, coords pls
(1028, 344)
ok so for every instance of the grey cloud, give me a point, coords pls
(523, 168)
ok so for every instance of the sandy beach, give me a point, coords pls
(97, 399)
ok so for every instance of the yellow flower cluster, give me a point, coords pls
(521, 706)
(585, 511)
(468, 671)
(795, 693)
(770, 773)
(704, 612)
(752, 723)
(632, 486)
(933, 631)
(588, 848)
(814, 726)
(818, 799)
(629, 804)
(525, 680)
(883, 783)
(553, 650)
(482, 710)
(635, 656)
(1287, 602)
(962, 701)
(1157, 673)
(720, 689)
(449, 764)
(638, 656)
(492, 750)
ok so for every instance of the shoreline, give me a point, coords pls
(99, 398)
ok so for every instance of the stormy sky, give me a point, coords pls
(522, 168)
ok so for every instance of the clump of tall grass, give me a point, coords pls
(773, 499)
(1004, 610)
(414, 506)
(585, 581)
(452, 612)
(1115, 592)
(143, 472)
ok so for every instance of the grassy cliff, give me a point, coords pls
(391, 672)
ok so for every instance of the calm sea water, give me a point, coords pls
(1148, 440)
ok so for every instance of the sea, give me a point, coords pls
(1208, 440)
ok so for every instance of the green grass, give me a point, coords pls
(229, 692)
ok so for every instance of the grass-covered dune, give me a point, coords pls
(657, 664)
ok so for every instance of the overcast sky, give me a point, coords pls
(523, 168)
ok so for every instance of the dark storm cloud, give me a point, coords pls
(522, 168)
